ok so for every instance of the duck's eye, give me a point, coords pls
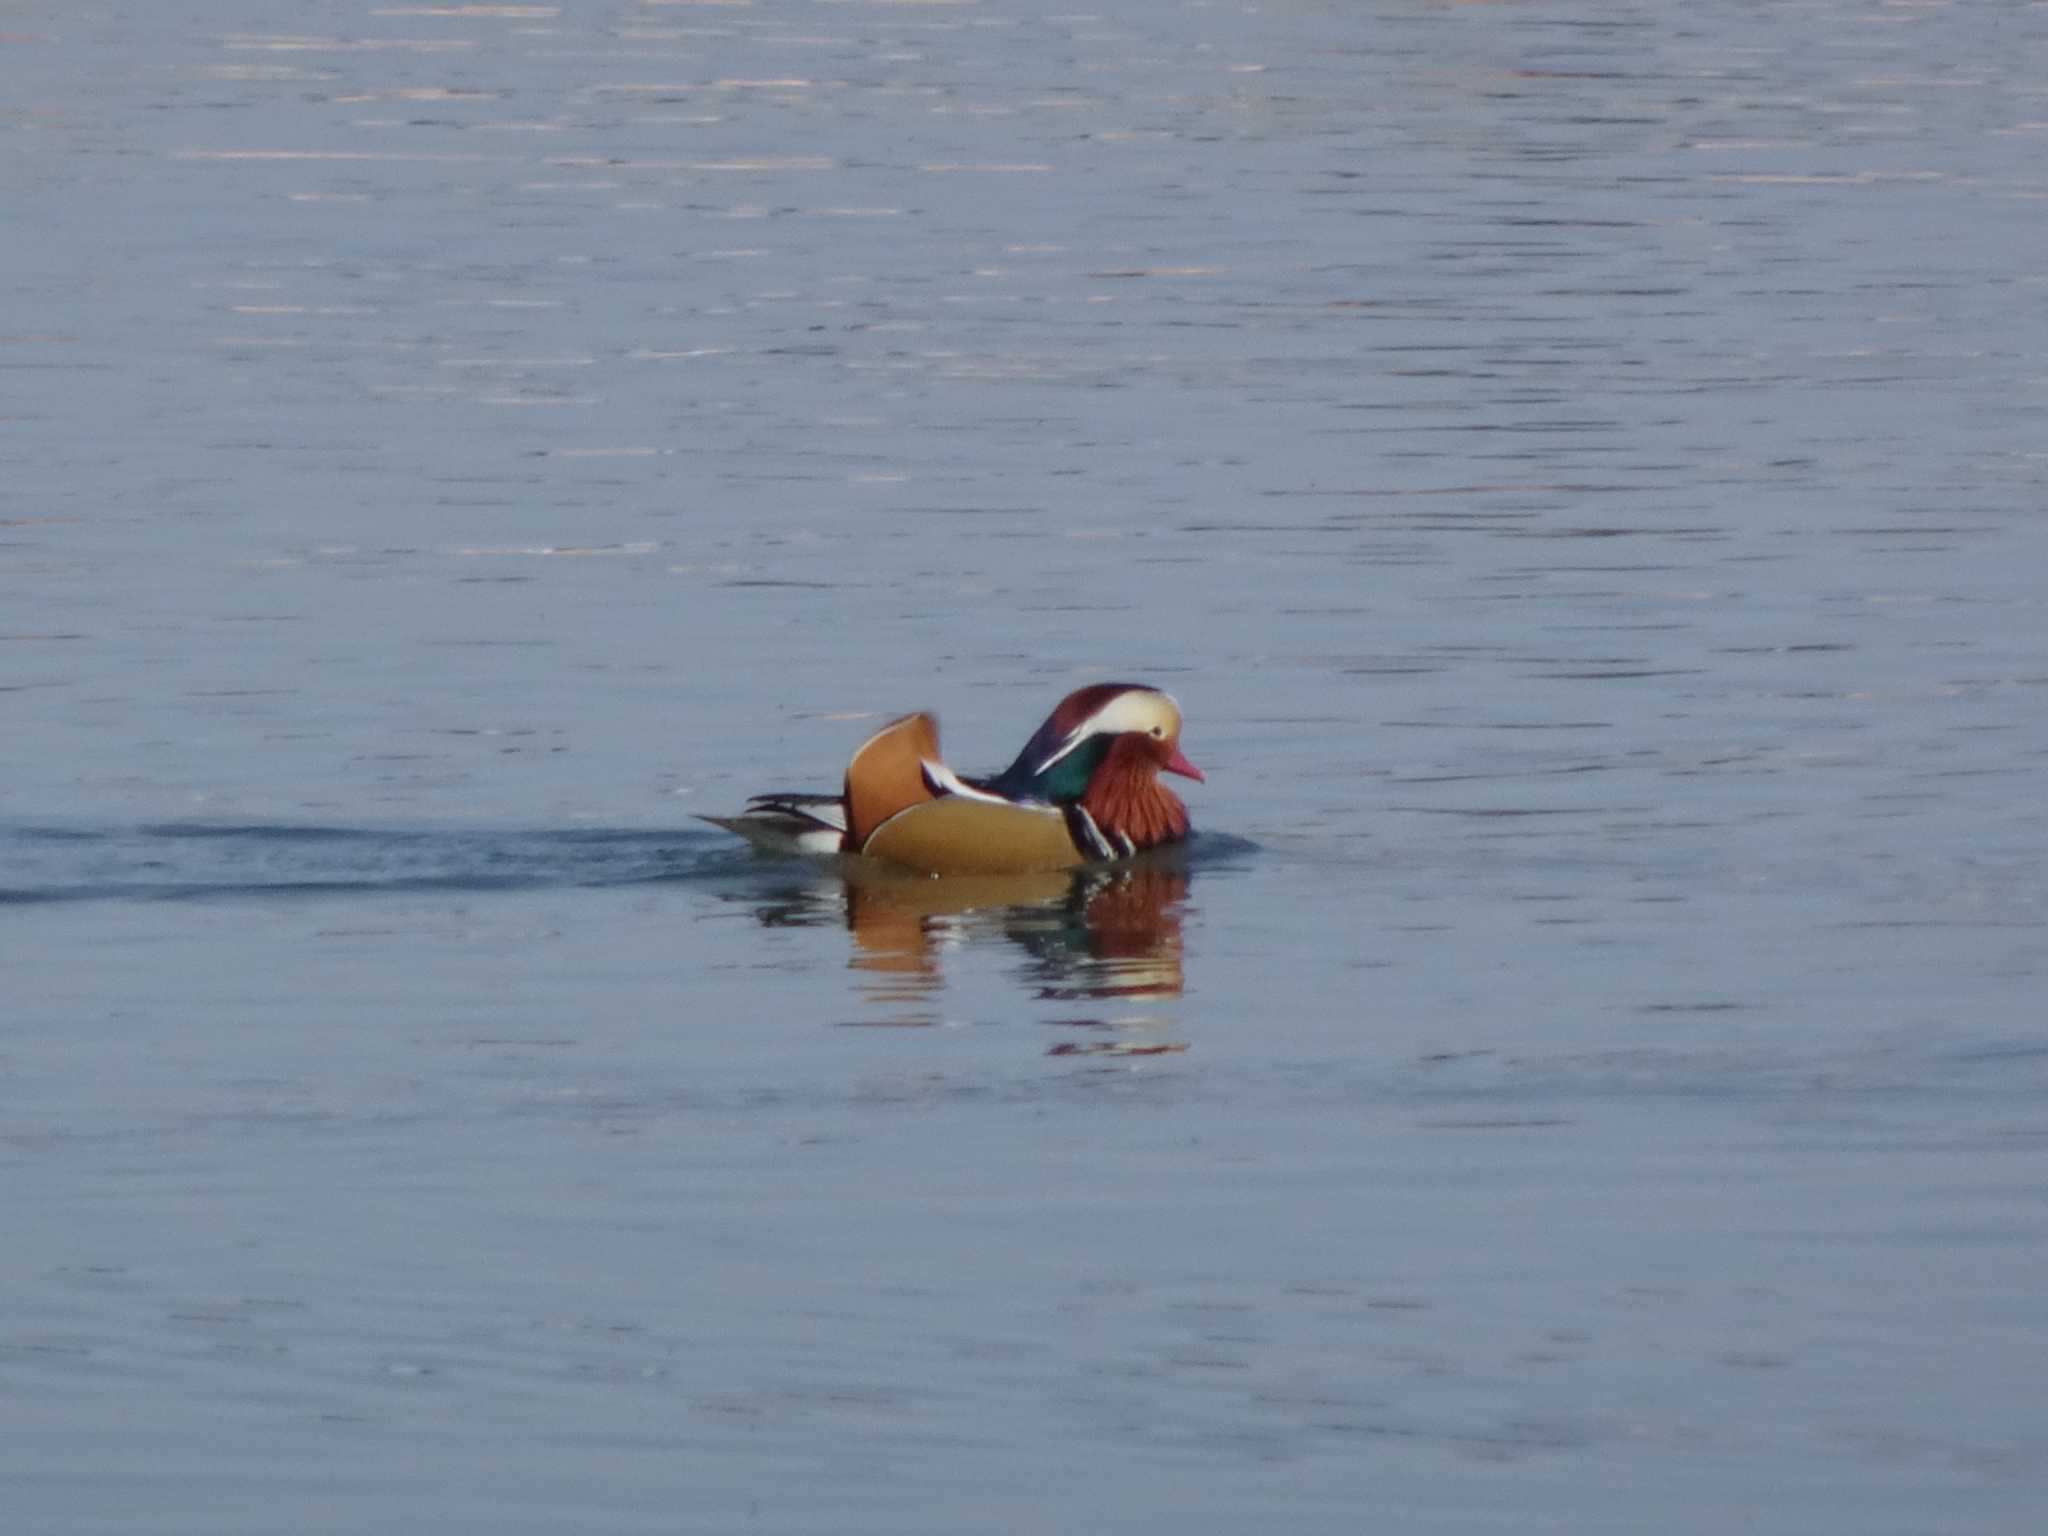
(1158, 733)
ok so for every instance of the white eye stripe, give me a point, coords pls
(1135, 711)
(1141, 710)
(1138, 710)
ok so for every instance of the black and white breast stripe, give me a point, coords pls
(1091, 839)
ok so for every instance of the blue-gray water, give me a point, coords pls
(1580, 468)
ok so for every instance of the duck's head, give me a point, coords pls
(1136, 727)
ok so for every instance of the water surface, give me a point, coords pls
(1578, 471)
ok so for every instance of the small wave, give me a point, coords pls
(195, 861)
(199, 861)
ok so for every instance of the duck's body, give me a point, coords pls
(1084, 790)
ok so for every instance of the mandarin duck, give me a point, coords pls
(1084, 790)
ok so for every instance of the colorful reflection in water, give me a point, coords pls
(1104, 937)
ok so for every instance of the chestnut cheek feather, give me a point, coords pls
(1126, 799)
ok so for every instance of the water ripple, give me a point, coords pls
(185, 862)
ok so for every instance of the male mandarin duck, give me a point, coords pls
(1085, 789)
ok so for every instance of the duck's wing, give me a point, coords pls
(886, 774)
(956, 835)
